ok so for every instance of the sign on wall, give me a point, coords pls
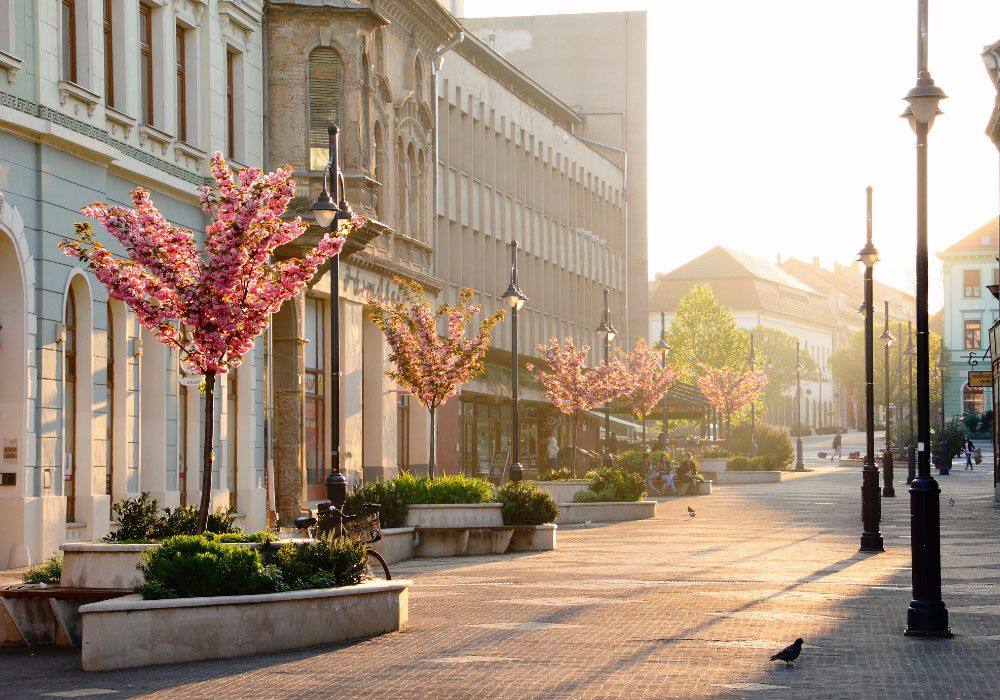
(980, 379)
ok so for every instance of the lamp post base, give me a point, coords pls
(927, 615)
(516, 472)
(798, 455)
(871, 510)
(927, 619)
(887, 490)
(872, 542)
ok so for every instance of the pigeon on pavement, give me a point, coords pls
(789, 653)
(951, 501)
(691, 511)
(587, 523)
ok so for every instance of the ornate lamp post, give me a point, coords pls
(608, 331)
(887, 339)
(752, 363)
(515, 299)
(799, 467)
(330, 209)
(911, 453)
(664, 349)
(871, 538)
(927, 615)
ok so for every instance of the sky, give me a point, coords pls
(767, 121)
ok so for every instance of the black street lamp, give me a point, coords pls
(945, 455)
(799, 467)
(887, 339)
(515, 299)
(664, 349)
(332, 210)
(911, 452)
(871, 538)
(608, 331)
(927, 615)
(752, 363)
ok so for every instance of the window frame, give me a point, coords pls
(146, 111)
(972, 326)
(109, 54)
(180, 84)
(69, 65)
(972, 291)
(230, 103)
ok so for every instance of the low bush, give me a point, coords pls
(830, 430)
(631, 460)
(559, 474)
(738, 464)
(47, 572)
(714, 452)
(612, 484)
(526, 504)
(140, 520)
(773, 444)
(188, 566)
(392, 507)
(444, 489)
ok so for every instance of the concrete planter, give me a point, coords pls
(563, 491)
(605, 512)
(397, 544)
(713, 465)
(455, 515)
(97, 565)
(540, 538)
(129, 632)
(732, 478)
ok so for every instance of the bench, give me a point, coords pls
(35, 616)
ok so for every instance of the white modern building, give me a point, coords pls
(97, 98)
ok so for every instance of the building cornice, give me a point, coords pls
(364, 9)
(430, 23)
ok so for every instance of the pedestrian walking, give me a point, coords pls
(837, 442)
(969, 450)
(552, 451)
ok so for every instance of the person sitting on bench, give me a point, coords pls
(662, 476)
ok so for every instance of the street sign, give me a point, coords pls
(980, 379)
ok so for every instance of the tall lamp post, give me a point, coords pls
(927, 615)
(942, 443)
(799, 467)
(887, 339)
(752, 363)
(871, 538)
(911, 452)
(608, 331)
(664, 349)
(515, 299)
(331, 210)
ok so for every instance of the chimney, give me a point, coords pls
(815, 262)
(779, 259)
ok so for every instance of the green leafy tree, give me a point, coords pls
(703, 332)
(776, 358)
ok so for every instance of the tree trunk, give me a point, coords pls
(573, 423)
(207, 452)
(729, 430)
(644, 431)
(431, 458)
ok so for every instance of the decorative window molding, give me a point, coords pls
(148, 132)
(11, 64)
(116, 118)
(183, 150)
(239, 20)
(78, 95)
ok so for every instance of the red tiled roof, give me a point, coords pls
(986, 237)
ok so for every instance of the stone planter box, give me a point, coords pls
(97, 565)
(732, 478)
(129, 632)
(713, 465)
(455, 515)
(397, 544)
(540, 538)
(563, 491)
(605, 512)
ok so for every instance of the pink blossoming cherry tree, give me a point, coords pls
(209, 302)
(645, 381)
(430, 366)
(571, 386)
(729, 390)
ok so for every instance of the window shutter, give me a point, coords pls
(324, 101)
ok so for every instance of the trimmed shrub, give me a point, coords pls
(392, 507)
(714, 452)
(774, 444)
(526, 504)
(140, 520)
(560, 474)
(47, 572)
(613, 484)
(444, 489)
(188, 566)
(738, 464)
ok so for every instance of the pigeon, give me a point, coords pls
(691, 511)
(951, 501)
(789, 653)
(587, 523)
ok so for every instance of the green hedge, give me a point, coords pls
(746, 464)
(631, 460)
(393, 496)
(189, 566)
(773, 444)
(612, 484)
(142, 520)
(526, 504)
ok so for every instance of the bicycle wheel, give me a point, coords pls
(375, 566)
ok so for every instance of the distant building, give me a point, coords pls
(815, 305)
(969, 312)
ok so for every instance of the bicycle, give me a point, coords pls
(363, 527)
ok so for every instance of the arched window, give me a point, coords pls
(69, 407)
(366, 91)
(412, 194)
(420, 210)
(418, 77)
(324, 88)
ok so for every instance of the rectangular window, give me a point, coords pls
(996, 275)
(972, 283)
(146, 63)
(69, 40)
(181, 85)
(973, 335)
(109, 56)
(230, 104)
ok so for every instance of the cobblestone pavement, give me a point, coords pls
(675, 607)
